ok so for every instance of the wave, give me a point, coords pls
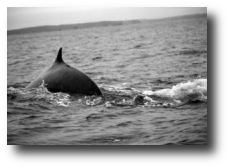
(118, 95)
(38, 94)
(190, 89)
(180, 94)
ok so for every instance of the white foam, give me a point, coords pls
(181, 90)
(148, 92)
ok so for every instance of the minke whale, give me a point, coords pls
(61, 77)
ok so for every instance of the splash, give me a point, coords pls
(39, 94)
(193, 90)
(178, 95)
(92, 100)
(120, 95)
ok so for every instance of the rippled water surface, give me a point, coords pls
(153, 76)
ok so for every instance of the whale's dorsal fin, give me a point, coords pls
(59, 56)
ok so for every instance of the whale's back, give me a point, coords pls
(60, 77)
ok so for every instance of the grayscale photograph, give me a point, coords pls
(107, 76)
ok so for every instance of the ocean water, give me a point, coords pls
(153, 76)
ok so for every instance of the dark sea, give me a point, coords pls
(153, 76)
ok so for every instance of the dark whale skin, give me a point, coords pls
(61, 77)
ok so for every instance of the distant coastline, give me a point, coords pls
(49, 28)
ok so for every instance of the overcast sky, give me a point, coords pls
(29, 17)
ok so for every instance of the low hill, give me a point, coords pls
(69, 27)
